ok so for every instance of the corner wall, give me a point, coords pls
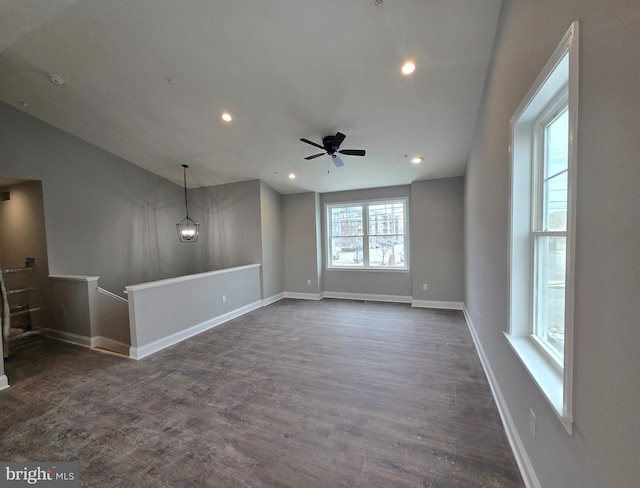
(437, 241)
(104, 215)
(272, 243)
(230, 218)
(302, 259)
(603, 448)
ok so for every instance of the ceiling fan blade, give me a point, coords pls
(337, 161)
(353, 152)
(337, 139)
(315, 156)
(312, 143)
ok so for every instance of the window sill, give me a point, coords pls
(544, 375)
(374, 270)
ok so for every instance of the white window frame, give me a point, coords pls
(552, 110)
(554, 378)
(365, 234)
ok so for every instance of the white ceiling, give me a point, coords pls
(285, 70)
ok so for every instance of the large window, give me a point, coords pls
(550, 181)
(367, 235)
(542, 228)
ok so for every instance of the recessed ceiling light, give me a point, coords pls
(292, 176)
(227, 117)
(417, 159)
(408, 67)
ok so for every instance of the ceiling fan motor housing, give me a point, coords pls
(327, 142)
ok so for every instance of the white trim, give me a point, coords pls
(273, 299)
(303, 296)
(437, 304)
(110, 345)
(73, 278)
(61, 335)
(155, 346)
(559, 73)
(544, 374)
(378, 269)
(4, 382)
(365, 233)
(367, 297)
(522, 459)
(112, 295)
(191, 277)
(574, 107)
(84, 341)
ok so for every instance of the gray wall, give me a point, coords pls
(437, 239)
(104, 216)
(230, 232)
(272, 242)
(604, 446)
(241, 223)
(437, 243)
(302, 256)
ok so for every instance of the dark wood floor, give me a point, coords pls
(297, 394)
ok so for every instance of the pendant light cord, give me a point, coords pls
(186, 205)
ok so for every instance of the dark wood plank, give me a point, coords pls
(297, 394)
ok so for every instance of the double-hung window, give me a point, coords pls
(549, 230)
(543, 151)
(367, 235)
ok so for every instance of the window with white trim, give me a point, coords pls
(367, 235)
(549, 232)
(542, 227)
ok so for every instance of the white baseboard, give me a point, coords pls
(4, 382)
(303, 296)
(367, 297)
(437, 304)
(273, 299)
(110, 345)
(155, 346)
(64, 336)
(524, 464)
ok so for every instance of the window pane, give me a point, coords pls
(346, 251)
(555, 190)
(386, 219)
(555, 173)
(346, 221)
(549, 302)
(388, 251)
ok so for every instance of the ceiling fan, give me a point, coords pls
(331, 146)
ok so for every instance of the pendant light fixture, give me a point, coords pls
(187, 228)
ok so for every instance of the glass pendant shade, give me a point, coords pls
(188, 229)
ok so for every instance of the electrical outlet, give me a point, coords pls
(224, 298)
(309, 282)
(425, 287)
(532, 422)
